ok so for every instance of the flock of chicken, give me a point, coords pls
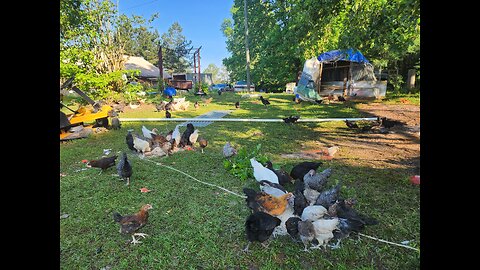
(313, 214)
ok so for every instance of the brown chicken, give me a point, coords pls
(202, 142)
(103, 163)
(208, 100)
(264, 202)
(131, 223)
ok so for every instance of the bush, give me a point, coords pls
(204, 87)
(240, 165)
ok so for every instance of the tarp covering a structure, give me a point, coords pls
(345, 55)
(362, 71)
(147, 69)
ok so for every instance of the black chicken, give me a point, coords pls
(387, 123)
(103, 163)
(237, 104)
(299, 170)
(129, 141)
(124, 168)
(292, 228)
(351, 124)
(264, 101)
(169, 106)
(299, 202)
(291, 119)
(185, 139)
(283, 176)
(259, 227)
(168, 114)
(341, 98)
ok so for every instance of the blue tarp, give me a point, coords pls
(170, 91)
(346, 55)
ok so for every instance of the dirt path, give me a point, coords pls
(400, 148)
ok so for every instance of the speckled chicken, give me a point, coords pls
(229, 150)
(328, 197)
(317, 181)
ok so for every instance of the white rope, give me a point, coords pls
(388, 242)
(205, 183)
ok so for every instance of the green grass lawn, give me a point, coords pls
(195, 226)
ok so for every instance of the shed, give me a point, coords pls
(339, 72)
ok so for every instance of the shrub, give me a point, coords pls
(240, 165)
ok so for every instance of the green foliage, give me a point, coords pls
(175, 49)
(240, 165)
(203, 86)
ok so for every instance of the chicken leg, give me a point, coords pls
(246, 248)
(135, 241)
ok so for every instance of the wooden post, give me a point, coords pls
(349, 79)
(194, 68)
(199, 77)
(411, 79)
(160, 63)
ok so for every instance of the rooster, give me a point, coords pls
(124, 168)
(263, 202)
(130, 224)
(261, 173)
(259, 227)
(103, 163)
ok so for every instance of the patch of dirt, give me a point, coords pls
(399, 148)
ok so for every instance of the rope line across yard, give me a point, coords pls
(241, 196)
(205, 183)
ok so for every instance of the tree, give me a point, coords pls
(212, 68)
(176, 49)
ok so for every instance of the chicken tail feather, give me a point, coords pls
(117, 217)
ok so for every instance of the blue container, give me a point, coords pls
(170, 91)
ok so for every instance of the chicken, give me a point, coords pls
(324, 229)
(166, 147)
(168, 137)
(196, 105)
(387, 123)
(299, 170)
(331, 151)
(237, 104)
(259, 227)
(318, 232)
(264, 101)
(281, 229)
(261, 173)
(341, 98)
(148, 133)
(193, 137)
(207, 101)
(103, 163)
(283, 176)
(124, 168)
(300, 202)
(168, 114)
(317, 181)
(306, 232)
(130, 224)
(292, 228)
(229, 150)
(291, 119)
(116, 123)
(267, 203)
(176, 137)
(343, 210)
(351, 124)
(202, 142)
(185, 139)
(161, 106)
(328, 197)
(310, 194)
(271, 188)
(141, 145)
(118, 107)
(169, 105)
(158, 139)
(313, 212)
(129, 141)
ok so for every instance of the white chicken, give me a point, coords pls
(276, 190)
(147, 133)
(193, 137)
(176, 136)
(310, 194)
(262, 173)
(324, 230)
(141, 145)
(288, 213)
(313, 212)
